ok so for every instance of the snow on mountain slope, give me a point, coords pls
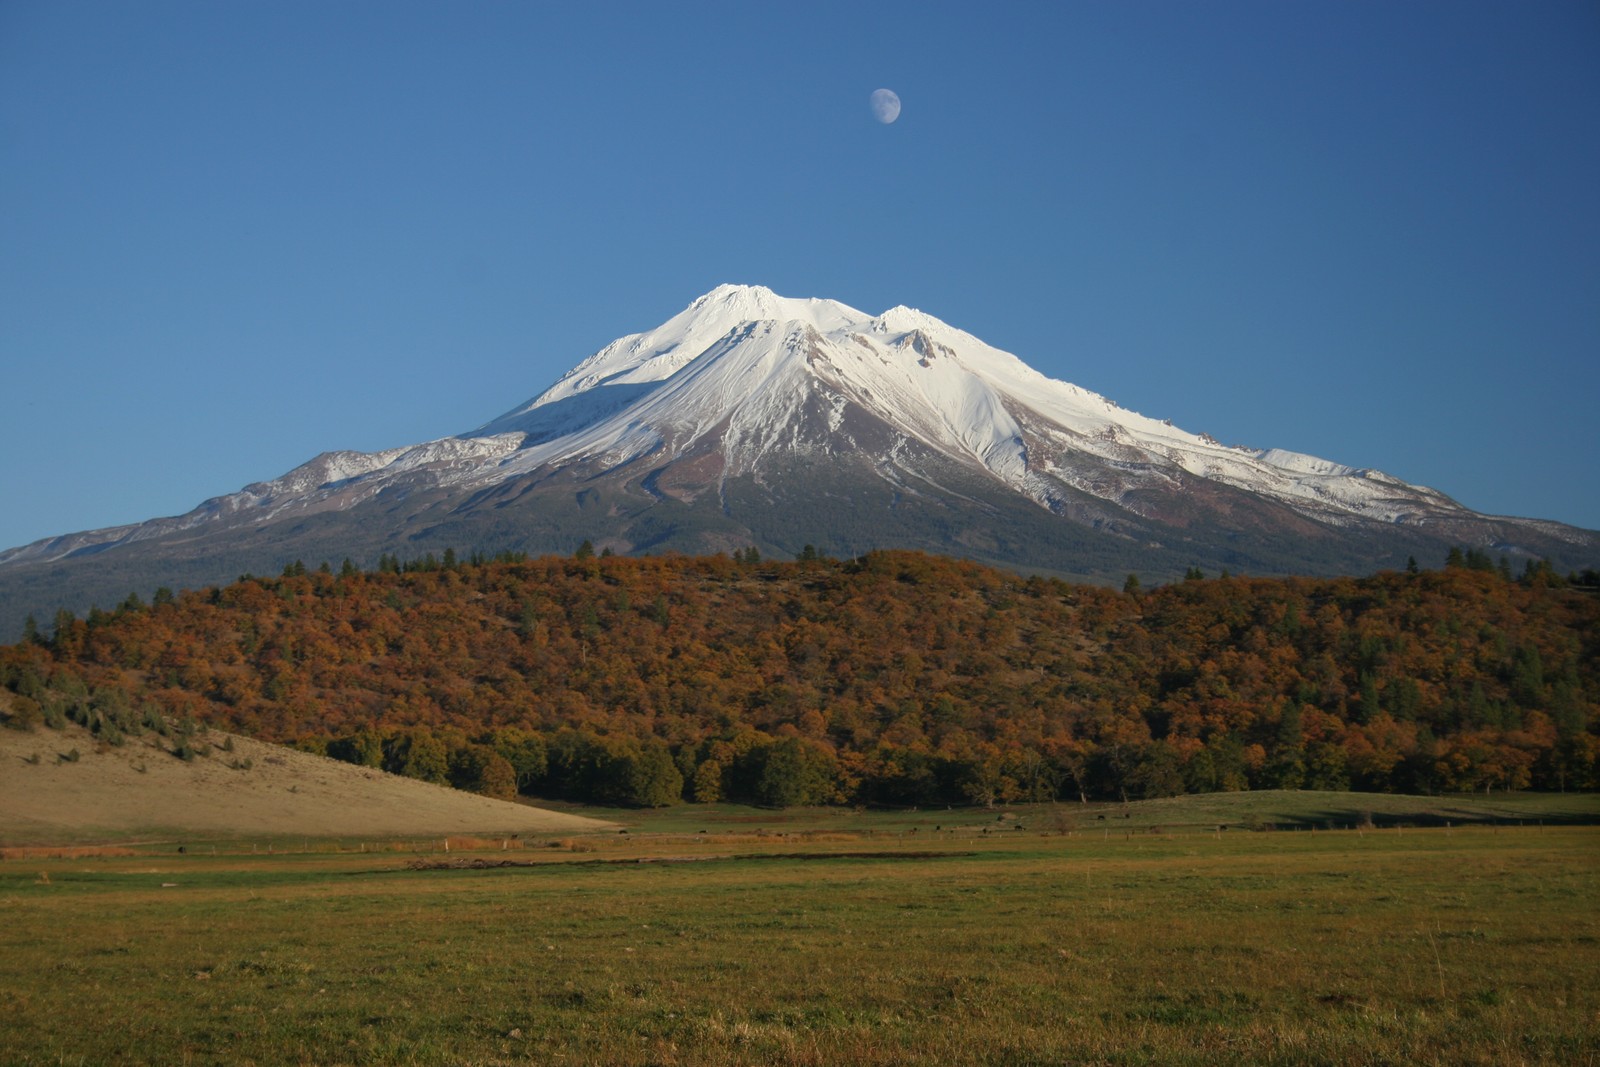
(745, 363)
(332, 480)
(649, 357)
(743, 376)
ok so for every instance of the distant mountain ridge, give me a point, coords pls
(752, 418)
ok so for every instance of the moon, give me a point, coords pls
(885, 105)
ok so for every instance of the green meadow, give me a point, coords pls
(730, 936)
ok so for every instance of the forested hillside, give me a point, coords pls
(896, 678)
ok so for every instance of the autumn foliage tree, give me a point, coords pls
(896, 678)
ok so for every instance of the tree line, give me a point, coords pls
(896, 678)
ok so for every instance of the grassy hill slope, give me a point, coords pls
(256, 788)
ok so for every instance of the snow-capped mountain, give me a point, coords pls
(757, 374)
(751, 418)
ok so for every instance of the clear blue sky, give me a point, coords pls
(233, 235)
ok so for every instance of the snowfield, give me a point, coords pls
(748, 365)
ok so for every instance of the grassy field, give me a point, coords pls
(825, 937)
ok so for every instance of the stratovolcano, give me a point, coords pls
(752, 419)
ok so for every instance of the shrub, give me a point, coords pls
(25, 714)
(55, 715)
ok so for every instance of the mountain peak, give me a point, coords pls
(640, 359)
(907, 318)
(737, 304)
(750, 417)
(755, 376)
(728, 293)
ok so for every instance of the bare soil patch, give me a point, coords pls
(47, 795)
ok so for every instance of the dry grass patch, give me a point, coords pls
(63, 852)
(257, 789)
